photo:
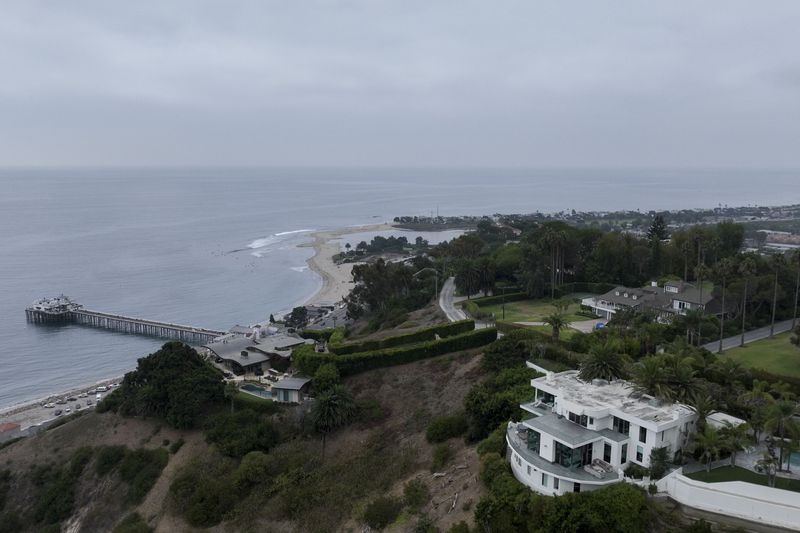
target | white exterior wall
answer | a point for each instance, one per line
(765, 505)
(547, 447)
(520, 468)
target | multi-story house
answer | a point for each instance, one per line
(675, 297)
(583, 435)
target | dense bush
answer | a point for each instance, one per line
(5, 485)
(205, 492)
(498, 299)
(174, 383)
(497, 400)
(416, 494)
(309, 361)
(495, 442)
(241, 432)
(108, 457)
(325, 378)
(442, 454)
(381, 512)
(636, 471)
(337, 337)
(443, 428)
(133, 523)
(140, 469)
(55, 498)
(317, 334)
(421, 335)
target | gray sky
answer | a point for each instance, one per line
(462, 83)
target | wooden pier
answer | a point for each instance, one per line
(63, 310)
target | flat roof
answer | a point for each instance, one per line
(615, 396)
(562, 429)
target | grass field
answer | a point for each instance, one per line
(727, 473)
(532, 311)
(776, 355)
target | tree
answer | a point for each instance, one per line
(725, 269)
(326, 378)
(175, 383)
(796, 261)
(230, 392)
(710, 443)
(703, 406)
(604, 362)
(271, 318)
(298, 318)
(781, 423)
(557, 321)
(331, 410)
(747, 269)
(658, 229)
(757, 400)
(659, 459)
(650, 377)
(735, 438)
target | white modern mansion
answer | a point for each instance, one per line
(583, 435)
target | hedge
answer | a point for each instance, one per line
(498, 299)
(308, 361)
(337, 337)
(421, 335)
(317, 334)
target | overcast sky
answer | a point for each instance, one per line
(461, 83)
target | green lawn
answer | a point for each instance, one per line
(727, 473)
(776, 355)
(532, 311)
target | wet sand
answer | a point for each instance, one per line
(337, 280)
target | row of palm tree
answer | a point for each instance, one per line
(713, 442)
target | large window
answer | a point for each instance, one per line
(555, 483)
(546, 397)
(624, 454)
(642, 434)
(573, 458)
(578, 419)
(607, 452)
(622, 426)
(533, 440)
(639, 454)
(544, 479)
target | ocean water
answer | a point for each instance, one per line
(217, 247)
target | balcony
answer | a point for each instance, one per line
(516, 436)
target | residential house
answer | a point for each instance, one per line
(675, 297)
(581, 436)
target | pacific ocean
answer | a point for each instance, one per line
(217, 247)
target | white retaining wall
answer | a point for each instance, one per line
(748, 501)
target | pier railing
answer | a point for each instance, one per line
(126, 324)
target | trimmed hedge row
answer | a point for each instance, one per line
(421, 335)
(308, 361)
(337, 337)
(498, 299)
(317, 334)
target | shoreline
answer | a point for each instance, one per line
(337, 280)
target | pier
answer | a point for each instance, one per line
(63, 310)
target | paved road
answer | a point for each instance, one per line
(447, 302)
(749, 336)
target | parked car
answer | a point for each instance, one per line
(98, 397)
(57, 412)
(91, 391)
(88, 403)
(61, 401)
(102, 389)
(82, 395)
(71, 399)
(67, 410)
(50, 405)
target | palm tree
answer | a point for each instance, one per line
(230, 391)
(724, 270)
(703, 406)
(649, 377)
(757, 400)
(769, 463)
(711, 443)
(557, 321)
(781, 423)
(682, 380)
(735, 438)
(701, 273)
(604, 362)
(331, 410)
(782, 391)
(727, 371)
(746, 268)
(796, 259)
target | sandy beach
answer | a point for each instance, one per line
(337, 280)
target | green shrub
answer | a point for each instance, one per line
(652, 489)
(55, 498)
(108, 457)
(442, 454)
(495, 442)
(337, 337)
(381, 512)
(10, 523)
(140, 469)
(236, 434)
(416, 494)
(133, 523)
(317, 334)
(500, 298)
(446, 427)
(326, 377)
(308, 362)
(5, 486)
(177, 445)
(461, 527)
(260, 405)
(493, 465)
(636, 471)
(448, 329)
(205, 492)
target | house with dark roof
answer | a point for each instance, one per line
(674, 298)
(244, 354)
